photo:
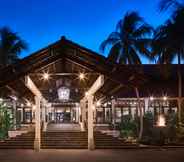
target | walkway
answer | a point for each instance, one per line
(92, 156)
(63, 127)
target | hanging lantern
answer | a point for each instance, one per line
(63, 93)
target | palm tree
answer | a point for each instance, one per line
(130, 40)
(169, 4)
(11, 45)
(168, 44)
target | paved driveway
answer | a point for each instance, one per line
(174, 155)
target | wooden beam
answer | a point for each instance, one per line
(96, 85)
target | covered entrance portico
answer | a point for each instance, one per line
(63, 84)
(66, 87)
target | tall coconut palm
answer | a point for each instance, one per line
(11, 45)
(128, 42)
(168, 44)
(172, 4)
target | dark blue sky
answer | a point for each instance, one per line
(87, 22)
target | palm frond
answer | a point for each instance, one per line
(114, 53)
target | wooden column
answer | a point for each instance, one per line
(37, 124)
(14, 114)
(113, 112)
(146, 104)
(44, 117)
(90, 122)
(83, 114)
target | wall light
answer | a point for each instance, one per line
(98, 103)
(34, 107)
(28, 104)
(165, 98)
(151, 98)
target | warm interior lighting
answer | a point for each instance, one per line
(81, 76)
(161, 121)
(46, 76)
(151, 98)
(164, 98)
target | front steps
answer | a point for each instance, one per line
(24, 141)
(64, 140)
(104, 141)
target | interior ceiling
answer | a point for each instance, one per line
(68, 72)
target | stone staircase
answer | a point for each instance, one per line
(64, 140)
(23, 141)
(104, 141)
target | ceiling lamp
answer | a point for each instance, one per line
(81, 76)
(46, 76)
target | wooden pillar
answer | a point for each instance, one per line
(146, 104)
(83, 114)
(44, 117)
(91, 145)
(113, 112)
(179, 110)
(37, 124)
(14, 114)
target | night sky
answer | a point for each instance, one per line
(87, 22)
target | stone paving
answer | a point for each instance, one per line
(134, 155)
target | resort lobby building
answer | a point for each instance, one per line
(65, 87)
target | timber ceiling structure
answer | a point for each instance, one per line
(64, 60)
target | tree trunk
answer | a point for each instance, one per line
(179, 89)
(141, 113)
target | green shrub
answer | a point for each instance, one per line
(128, 127)
(5, 121)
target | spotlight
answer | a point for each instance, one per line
(81, 76)
(46, 76)
(86, 93)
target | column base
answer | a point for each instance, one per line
(44, 127)
(37, 144)
(91, 145)
(82, 126)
